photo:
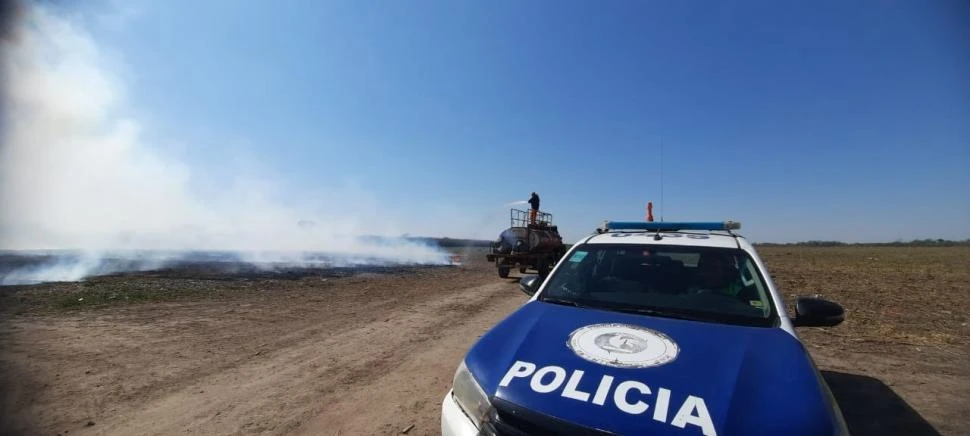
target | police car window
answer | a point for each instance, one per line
(749, 278)
(689, 259)
(720, 285)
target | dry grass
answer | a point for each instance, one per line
(914, 295)
(898, 364)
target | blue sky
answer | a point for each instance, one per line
(822, 120)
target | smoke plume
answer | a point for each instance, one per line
(76, 173)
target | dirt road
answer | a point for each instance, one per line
(360, 355)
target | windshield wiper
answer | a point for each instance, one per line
(659, 312)
(713, 317)
(656, 312)
(562, 301)
(625, 309)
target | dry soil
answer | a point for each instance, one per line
(373, 353)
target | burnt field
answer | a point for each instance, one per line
(212, 348)
(185, 281)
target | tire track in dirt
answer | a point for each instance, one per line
(412, 393)
(60, 371)
(104, 379)
(287, 387)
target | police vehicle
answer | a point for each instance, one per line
(649, 328)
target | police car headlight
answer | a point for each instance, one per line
(470, 396)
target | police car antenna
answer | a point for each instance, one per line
(661, 178)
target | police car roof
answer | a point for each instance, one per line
(697, 234)
(685, 238)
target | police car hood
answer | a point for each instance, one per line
(634, 374)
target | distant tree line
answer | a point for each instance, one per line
(913, 243)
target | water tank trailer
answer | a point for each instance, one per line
(527, 245)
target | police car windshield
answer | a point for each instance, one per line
(701, 283)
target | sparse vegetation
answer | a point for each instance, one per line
(913, 243)
(897, 364)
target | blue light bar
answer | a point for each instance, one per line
(670, 226)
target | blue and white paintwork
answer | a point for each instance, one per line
(714, 379)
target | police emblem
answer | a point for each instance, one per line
(623, 346)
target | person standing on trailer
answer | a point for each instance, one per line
(534, 201)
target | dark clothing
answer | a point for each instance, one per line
(534, 201)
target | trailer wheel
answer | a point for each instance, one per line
(503, 271)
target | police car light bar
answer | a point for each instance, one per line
(670, 226)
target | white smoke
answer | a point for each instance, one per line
(57, 266)
(77, 173)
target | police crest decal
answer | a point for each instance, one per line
(623, 345)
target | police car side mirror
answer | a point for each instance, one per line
(529, 284)
(817, 312)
